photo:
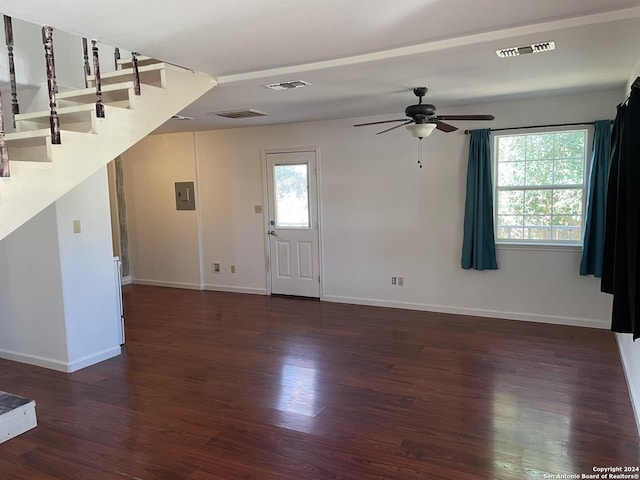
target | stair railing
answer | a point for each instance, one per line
(54, 120)
(52, 84)
(4, 154)
(8, 35)
(87, 66)
(97, 79)
(136, 73)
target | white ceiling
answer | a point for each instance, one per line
(362, 57)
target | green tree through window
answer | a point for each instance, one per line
(540, 187)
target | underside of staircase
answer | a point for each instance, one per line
(41, 171)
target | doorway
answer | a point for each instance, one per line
(292, 222)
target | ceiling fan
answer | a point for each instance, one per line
(422, 118)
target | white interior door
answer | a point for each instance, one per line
(293, 223)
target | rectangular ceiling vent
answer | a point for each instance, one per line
(525, 49)
(247, 113)
(287, 85)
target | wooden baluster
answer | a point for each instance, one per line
(136, 73)
(8, 33)
(4, 154)
(96, 73)
(116, 57)
(54, 121)
(87, 66)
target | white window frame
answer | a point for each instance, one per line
(532, 243)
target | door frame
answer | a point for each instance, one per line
(265, 211)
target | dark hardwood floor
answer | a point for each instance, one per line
(227, 386)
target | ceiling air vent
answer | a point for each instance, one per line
(287, 85)
(247, 113)
(525, 49)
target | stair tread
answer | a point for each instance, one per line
(129, 71)
(107, 89)
(34, 138)
(62, 111)
(141, 58)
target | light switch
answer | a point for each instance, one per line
(257, 208)
(77, 227)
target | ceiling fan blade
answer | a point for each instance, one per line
(397, 126)
(383, 121)
(444, 127)
(465, 117)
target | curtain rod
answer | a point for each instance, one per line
(467, 132)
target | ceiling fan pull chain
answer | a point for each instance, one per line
(419, 152)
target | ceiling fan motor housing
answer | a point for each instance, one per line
(422, 110)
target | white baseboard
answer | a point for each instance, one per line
(529, 317)
(236, 289)
(160, 283)
(60, 365)
(634, 390)
(93, 359)
(125, 280)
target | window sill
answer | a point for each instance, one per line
(540, 247)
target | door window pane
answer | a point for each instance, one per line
(291, 183)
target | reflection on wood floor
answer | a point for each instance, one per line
(229, 386)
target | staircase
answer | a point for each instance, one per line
(42, 172)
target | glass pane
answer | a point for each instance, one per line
(510, 220)
(291, 195)
(510, 202)
(539, 233)
(567, 202)
(569, 172)
(540, 172)
(570, 144)
(537, 202)
(540, 147)
(511, 149)
(511, 174)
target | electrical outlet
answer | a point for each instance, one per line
(393, 280)
(215, 268)
(233, 268)
(401, 281)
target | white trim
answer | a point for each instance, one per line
(126, 280)
(236, 289)
(198, 212)
(439, 45)
(93, 359)
(633, 389)
(58, 365)
(521, 316)
(539, 247)
(160, 283)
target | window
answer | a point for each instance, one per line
(291, 195)
(540, 187)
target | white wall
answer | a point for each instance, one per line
(630, 350)
(58, 305)
(164, 247)
(87, 272)
(381, 216)
(32, 326)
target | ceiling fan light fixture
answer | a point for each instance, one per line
(421, 130)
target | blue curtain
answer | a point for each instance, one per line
(593, 246)
(478, 245)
